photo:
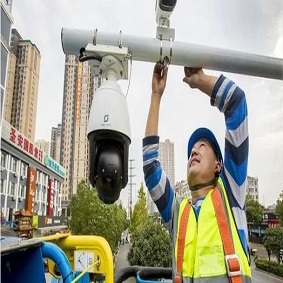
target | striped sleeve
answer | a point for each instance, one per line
(231, 101)
(156, 180)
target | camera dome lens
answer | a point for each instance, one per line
(109, 173)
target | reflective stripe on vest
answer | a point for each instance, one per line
(204, 256)
(181, 242)
(233, 265)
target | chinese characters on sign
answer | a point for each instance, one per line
(56, 167)
(31, 183)
(24, 144)
(50, 197)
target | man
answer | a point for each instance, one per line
(209, 235)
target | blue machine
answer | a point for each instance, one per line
(22, 260)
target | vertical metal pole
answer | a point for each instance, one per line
(130, 198)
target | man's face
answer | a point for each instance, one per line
(202, 164)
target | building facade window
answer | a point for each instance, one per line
(44, 199)
(22, 191)
(36, 196)
(38, 177)
(3, 160)
(12, 190)
(24, 169)
(13, 164)
(2, 186)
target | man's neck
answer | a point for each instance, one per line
(201, 193)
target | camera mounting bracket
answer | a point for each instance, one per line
(106, 59)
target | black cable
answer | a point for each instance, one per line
(83, 57)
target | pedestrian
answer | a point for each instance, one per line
(209, 233)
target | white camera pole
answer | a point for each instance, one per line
(180, 53)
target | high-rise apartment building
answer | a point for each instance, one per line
(20, 104)
(252, 187)
(77, 98)
(55, 143)
(182, 189)
(167, 159)
(44, 146)
(6, 22)
(11, 69)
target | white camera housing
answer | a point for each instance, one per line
(109, 134)
(163, 11)
(109, 110)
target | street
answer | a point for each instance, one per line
(122, 261)
(263, 277)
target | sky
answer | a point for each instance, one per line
(254, 26)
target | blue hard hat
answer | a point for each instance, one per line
(204, 133)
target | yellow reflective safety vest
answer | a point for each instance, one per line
(204, 258)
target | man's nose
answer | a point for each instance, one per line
(194, 151)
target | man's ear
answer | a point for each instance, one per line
(218, 167)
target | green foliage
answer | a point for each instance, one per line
(273, 241)
(90, 216)
(140, 213)
(270, 266)
(150, 243)
(254, 211)
(151, 246)
(279, 211)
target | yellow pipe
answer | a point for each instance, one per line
(95, 243)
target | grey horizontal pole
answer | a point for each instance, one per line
(183, 54)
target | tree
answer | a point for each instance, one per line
(279, 210)
(89, 216)
(140, 213)
(254, 211)
(273, 241)
(151, 246)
